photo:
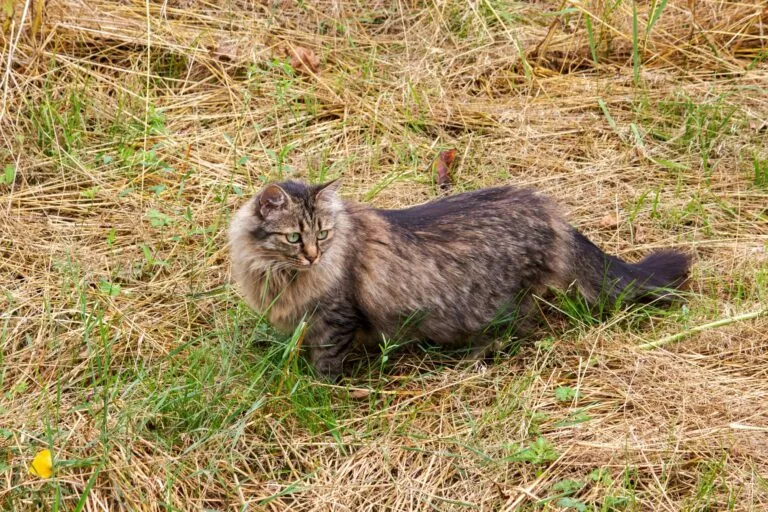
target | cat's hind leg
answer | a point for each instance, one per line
(517, 323)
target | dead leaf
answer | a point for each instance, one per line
(758, 253)
(758, 126)
(304, 60)
(639, 235)
(611, 220)
(226, 50)
(444, 166)
(503, 495)
(359, 393)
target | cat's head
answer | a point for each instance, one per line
(289, 225)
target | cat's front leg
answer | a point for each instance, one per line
(330, 339)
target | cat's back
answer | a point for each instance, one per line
(467, 212)
(469, 252)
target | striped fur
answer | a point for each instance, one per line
(456, 265)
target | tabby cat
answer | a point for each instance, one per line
(449, 268)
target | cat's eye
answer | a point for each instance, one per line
(322, 234)
(293, 237)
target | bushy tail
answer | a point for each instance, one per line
(656, 276)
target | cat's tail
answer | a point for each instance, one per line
(599, 275)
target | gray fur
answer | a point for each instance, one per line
(455, 265)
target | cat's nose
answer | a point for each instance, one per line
(311, 253)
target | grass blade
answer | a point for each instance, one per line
(591, 37)
(607, 115)
(635, 47)
(87, 489)
(656, 9)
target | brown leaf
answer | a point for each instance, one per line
(639, 235)
(758, 253)
(444, 166)
(758, 126)
(226, 50)
(611, 220)
(304, 60)
(359, 393)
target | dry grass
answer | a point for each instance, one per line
(132, 130)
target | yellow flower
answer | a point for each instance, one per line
(42, 464)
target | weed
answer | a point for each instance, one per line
(539, 451)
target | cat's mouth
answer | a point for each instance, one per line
(305, 264)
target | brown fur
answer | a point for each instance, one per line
(448, 269)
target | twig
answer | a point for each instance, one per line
(712, 325)
(752, 428)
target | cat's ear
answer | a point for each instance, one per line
(327, 191)
(271, 199)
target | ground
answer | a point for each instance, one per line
(131, 131)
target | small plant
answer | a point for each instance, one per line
(159, 219)
(278, 159)
(563, 491)
(150, 259)
(565, 393)
(8, 175)
(535, 420)
(387, 346)
(574, 418)
(111, 237)
(545, 344)
(109, 288)
(89, 193)
(572, 503)
(157, 189)
(567, 486)
(540, 451)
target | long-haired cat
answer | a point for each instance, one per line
(449, 268)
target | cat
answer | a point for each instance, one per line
(448, 269)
